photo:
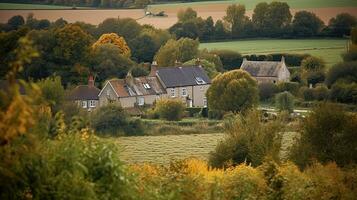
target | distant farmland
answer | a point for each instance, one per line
(328, 49)
(325, 9)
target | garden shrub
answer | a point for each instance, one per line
(292, 87)
(170, 109)
(193, 111)
(284, 101)
(215, 114)
(204, 112)
(307, 93)
(267, 91)
(344, 92)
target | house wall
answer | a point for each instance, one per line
(199, 94)
(127, 102)
(267, 79)
(103, 98)
(178, 93)
(284, 74)
(79, 103)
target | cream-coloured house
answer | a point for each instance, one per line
(267, 71)
(131, 92)
(190, 83)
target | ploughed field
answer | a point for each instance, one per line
(325, 9)
(328, 49)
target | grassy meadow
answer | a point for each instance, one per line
(328, 49)
(162, 149)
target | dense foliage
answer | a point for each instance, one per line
(170, 109)
(222, 94)
(113, 120)
(248, 140)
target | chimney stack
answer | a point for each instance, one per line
(244, 59)
(91, 81)
(153, 68)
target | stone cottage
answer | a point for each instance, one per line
(267, 71)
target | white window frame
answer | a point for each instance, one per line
(141, 101)
(204, 102)
(108, 92)
(92, 103)
(172, 92)
(84, 104)
(184, 92)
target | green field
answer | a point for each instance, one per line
(250, 4)
(328, 49)
(19, 6)
(162, 149)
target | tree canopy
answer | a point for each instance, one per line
(233, 91)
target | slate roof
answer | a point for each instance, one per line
(262, 68)
(182, 76)
(125, 89)
(85, 92)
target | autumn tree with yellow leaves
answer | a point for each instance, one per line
(113, 38)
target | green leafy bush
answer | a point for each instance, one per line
(327, 136)
(193, 111)
(248, 140)
(292, 87)
(285, 101)
(344, 92)
(267, 91)
(170, 109)
(113, 120)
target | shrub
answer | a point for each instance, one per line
(113, 120)
(292, 87)
(307, 93)
(204, 112)
(321, 92)
(215, 114)
(248, 140)
(344, 92)
(346, 72)
(285, 101)
(327, 135)
(193, 111)
(312, 63)
(170, 109)
(267, 90)
(315, 77)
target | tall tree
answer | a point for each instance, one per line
(306, 24)
(186, 15)
(112, 38)
(15, 22)
(341, 24)
(143, 49)
(259, 15)
(235, 16)
(72, 44)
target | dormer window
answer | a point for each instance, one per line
(199, 81)
(146, 86)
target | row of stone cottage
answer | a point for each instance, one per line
(188, 83)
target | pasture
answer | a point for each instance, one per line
(328, 49)
(162, 149)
